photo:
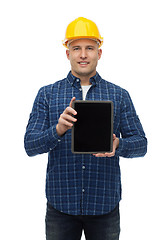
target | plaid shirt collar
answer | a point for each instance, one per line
(93, 80)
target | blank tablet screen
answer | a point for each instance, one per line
(93, 130)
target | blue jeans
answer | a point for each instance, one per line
(60, 226)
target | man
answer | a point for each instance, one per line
(83, 191)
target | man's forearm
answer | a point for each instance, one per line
(135, 146)
(36, 142)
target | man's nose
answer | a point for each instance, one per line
(83, 53)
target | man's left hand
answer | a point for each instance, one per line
(111, 154)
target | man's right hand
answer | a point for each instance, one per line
(66, 119)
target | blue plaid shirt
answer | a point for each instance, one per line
(79, 184)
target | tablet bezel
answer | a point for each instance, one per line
(111, 137)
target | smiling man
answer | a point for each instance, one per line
(84, 55)
(83, 191)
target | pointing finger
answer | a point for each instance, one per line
(72, 100)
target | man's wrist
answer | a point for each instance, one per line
(117, 143)
(58, 131)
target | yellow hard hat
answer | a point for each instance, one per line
(82, 28)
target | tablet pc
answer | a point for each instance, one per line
(93, 130)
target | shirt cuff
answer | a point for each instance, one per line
(119, 150)
(53, 138)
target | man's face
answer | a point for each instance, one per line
(83, 55)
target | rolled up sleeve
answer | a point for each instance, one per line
(133, 142)
(40, 137)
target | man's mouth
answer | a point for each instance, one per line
(83, 63)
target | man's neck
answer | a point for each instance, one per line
(84, 79)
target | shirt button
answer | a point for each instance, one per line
(80, 89)
(83, 167)
(77, 80)
(59, 140)
(83, 190)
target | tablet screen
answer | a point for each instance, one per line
(93, 130)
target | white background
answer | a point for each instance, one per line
(134, 57)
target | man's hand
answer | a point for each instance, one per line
(66, 120)
(111, 154)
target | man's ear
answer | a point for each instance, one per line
(99, 53)
(68, 53)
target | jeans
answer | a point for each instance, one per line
(60, 226)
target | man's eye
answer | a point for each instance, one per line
(76, 48)
(90, 48)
